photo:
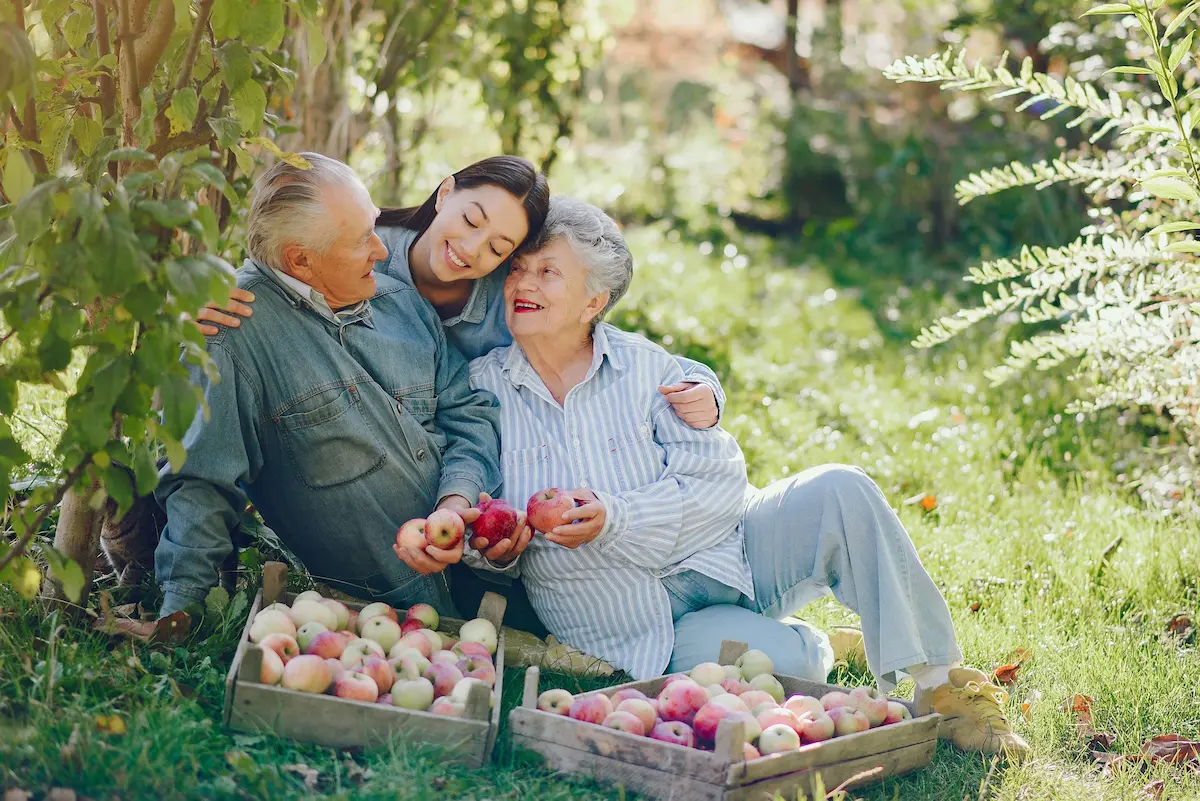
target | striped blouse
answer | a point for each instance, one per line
(673, 495)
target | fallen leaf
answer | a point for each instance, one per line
(1153, 791)
(1181, 626)
(929, 503)
(1006, 674)
(356, 772)
(310, 775)
(169, 630)
(1031, 699)
(1172, 748)
(975, 607)
(1080, 704)
(111, 724)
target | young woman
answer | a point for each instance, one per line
(455, 249)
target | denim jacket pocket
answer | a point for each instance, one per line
(331, 444)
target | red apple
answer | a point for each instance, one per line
(284, 646)
(307, 673)
(680, 700)
(469, 648)
(444, 706)
(424, 613)
(412, 534)
(497, 521)
(435, 639)
(356, 687)
(749, 752)
(873, 705)
(753, 698)
(706, 721)
(834, 699)
(384, 700)
(816, 729)
(444, 658)
(416, 641)
(336, 669)
(411, 625)
(626, 722)
(380, 671)
(444, 677)
(272, 667)
(642, 708)
(778, 738)
(674, 677)
(593, 708)
(478, 667)
(306, 633)
(357, 652)
(779, 715)
(444, 528)
(736, 686)
(674, 731)
(848, 720)
(804, 705)
(627, 693)
(546, 508)
(448, 642)
(897, 712)
(730, 702)
(556, 701)
(351, 622)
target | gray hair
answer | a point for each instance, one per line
(596, 241)
(289, 209)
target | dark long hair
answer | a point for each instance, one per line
(512, 173)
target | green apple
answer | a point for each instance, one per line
(770, 685)
(305, 633)
(754, 663)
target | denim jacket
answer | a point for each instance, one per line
(337, 432)
(481, 326)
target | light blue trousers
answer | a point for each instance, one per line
(828, 529)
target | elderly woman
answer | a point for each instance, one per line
(671, 550)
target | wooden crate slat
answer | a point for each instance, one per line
(591, 739)
(236, 664)
(866, 743)
(894, 763)
(659, 784)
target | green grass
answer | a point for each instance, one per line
(816, 371)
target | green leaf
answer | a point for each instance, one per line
(23, 576)
(1131, 71)
(1180, 18)
(119, 487)
(217, 600)
(1172, 227)
(262, 24)
(18, 178)
(87, 134)
(1110, 8)
(228, 131)
(294, 159)
(76, 28)
(316, 44)
(1179, 51)
(1186, 246)
(235, 63)
(225, 17)
(182, 111)
(179, 402)
(1170, 189)
(250, 103)
(176, 454)
(66, 571)
(145, 470)
(130, 154)
(1151, 127)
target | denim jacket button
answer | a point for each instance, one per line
(420, 453)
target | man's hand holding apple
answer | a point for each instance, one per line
(432, 560)
(588, 521)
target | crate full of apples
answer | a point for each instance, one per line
(728, 730)
(343, 674)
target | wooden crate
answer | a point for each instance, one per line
(341, 723)
(672, 772)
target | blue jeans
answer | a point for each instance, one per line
(828, 529)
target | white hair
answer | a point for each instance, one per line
(596, 241)
(289, 208)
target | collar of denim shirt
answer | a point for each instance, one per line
(399, 241)
(300, 293)
(518, 370)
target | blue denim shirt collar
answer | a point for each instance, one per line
(359, 313)
(399, 245)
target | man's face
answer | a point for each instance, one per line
(345, 273)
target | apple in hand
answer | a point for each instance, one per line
(897, 712)
(593, 708)
(754, 663)
(327, 645)
(285, 647)
(413, 694)
(545, 509)
(306, 633)
(272, 667)
(497, 521)
(357, 652)
(444, 528)
(480, 630)
(356, 687)
(412, 534)
(556, 701)
(425, 614)
(382, 630)
(271, 621)
(680, 700)
(626, 722)
(673, 731)
(777, 738)
(307, 673)
(641, 708)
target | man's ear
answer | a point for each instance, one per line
(446, 187)
(594, 306)
(296, 262)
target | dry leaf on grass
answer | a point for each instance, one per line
(1007, 674)
(1027, 707)
(310, 775)
(1153, 791)
(111, 724)
(1181, 626)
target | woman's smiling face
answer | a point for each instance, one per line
(546, 294)
(474, 231)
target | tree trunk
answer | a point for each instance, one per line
(791, 58)
(78, 538)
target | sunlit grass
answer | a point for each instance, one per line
(1026, 509)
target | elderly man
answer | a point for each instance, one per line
(672, 551)
(340, 411)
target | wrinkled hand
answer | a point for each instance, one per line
(694, 404)
(589, 521)
(238, 298)
(434, 560)
(506, 549)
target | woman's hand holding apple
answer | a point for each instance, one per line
(506, 549)
(588, 521)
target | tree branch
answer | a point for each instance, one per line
(151, 44)
(108, 90)
(131, 102)
(193, 49)
(19, 548)
(28, 129)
